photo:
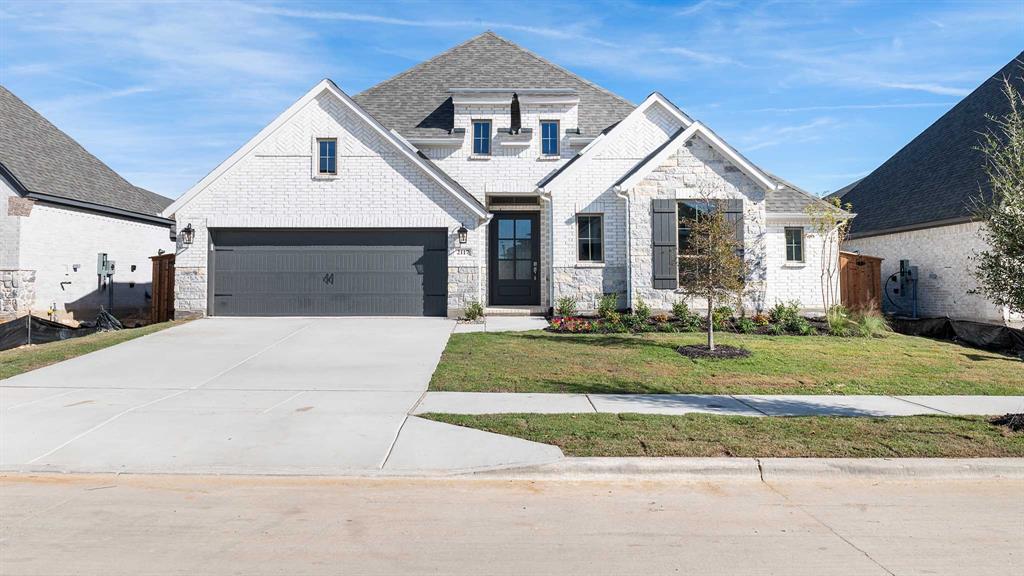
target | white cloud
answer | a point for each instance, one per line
(926, 87)
(769, 136)
(696, 56)
(828, 107)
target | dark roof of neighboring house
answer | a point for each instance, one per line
(417, 102)
(45, 160)
(939, 173)
(842, 191)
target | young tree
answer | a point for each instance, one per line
(1000, 269)
(831, 222)
(710, 265)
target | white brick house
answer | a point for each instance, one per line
(917, 206)
(60, 207)
(484, 174)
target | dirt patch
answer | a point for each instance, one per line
(1014, 422)
(721, 351)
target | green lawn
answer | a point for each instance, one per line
(648, 363)
(20, 360)
(752, 437)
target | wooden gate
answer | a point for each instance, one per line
(860, 281)
(162, 308)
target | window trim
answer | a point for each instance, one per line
(785, 238)
(600, 217)
(317, 156)
(490, 137)
(558, 139)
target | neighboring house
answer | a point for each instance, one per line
(483, 174)
(60, 207)
(917, 206)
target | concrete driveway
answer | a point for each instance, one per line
(249, 395)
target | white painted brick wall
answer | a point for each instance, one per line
(943, 257)
(274, 186)
(790, 281)
(54, 239)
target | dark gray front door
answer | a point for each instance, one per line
(328, 272)
(515, 258)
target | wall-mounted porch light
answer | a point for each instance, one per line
(187, 235)
(463, 235)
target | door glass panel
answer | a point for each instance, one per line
(523, 248)
(524, 228)
(506, 249)
(524, 270)
(506, 228)
(506, 270)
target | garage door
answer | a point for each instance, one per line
(328, 272)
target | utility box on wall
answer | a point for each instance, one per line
(104, 267)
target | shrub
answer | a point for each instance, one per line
(660, 318)
(474, 310)
(746, 325)
(839, 322)
(642, 310)
(690, 323)
(614, 324)
(566, 306)
(761, 319)
(571, 324)
(871, 324)
(635, 323)
(720, 316)
(680, 310)
(665, 327)
(608, 305)
(801, 326)
(785, 314)
(776, 329)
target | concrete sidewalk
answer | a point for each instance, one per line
(738, 405)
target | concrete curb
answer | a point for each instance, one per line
(766, 469)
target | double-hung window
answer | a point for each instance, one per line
(549, 138)
(482, 137)
(327, 156)
(590, 238)
(794, 244)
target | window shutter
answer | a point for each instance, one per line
(663, 235)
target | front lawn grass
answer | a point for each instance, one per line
(753, 437)
(649, 363)
(19, 360)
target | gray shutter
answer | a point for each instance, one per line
(664, 234)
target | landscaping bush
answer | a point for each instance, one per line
(761, 319)
(660, 318)
(635, 323)
(608, 305)
(680, 310)
(571, 324)
(746, 325)
(687, 321)
(871, 324)
(566, 306)
(641, 310)
(839, 321)
(474, 310)
(721, 316)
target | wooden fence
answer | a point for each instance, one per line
(860, 281)
(162, 308)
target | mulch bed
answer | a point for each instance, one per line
(720, 351)
(1014, 422)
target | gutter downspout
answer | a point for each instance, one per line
(481, 256)
(545, 195)
(629, 248)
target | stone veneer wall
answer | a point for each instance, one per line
(943, 257)
(17, 292)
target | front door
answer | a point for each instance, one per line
(515, 258)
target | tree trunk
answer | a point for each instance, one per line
(711, 327)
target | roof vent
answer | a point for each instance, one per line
(516, 123)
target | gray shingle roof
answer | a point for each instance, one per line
(937, 175)
(791, 199)
(417, 102)
(45, 160)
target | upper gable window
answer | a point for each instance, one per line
(327, 154)
(482, 137)
(549, 138)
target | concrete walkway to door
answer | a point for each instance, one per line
(253, 396)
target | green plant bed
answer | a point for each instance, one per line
(752, 437)
(648, 363)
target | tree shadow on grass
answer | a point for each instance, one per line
(600, 340)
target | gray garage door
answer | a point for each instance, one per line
(328, 272)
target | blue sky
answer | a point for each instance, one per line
(819, 93)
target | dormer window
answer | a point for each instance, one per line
(549, 138)
(327, 156)
(482, 137)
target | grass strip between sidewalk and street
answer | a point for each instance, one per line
(26, 358)
(754, 437)
(649, 364)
